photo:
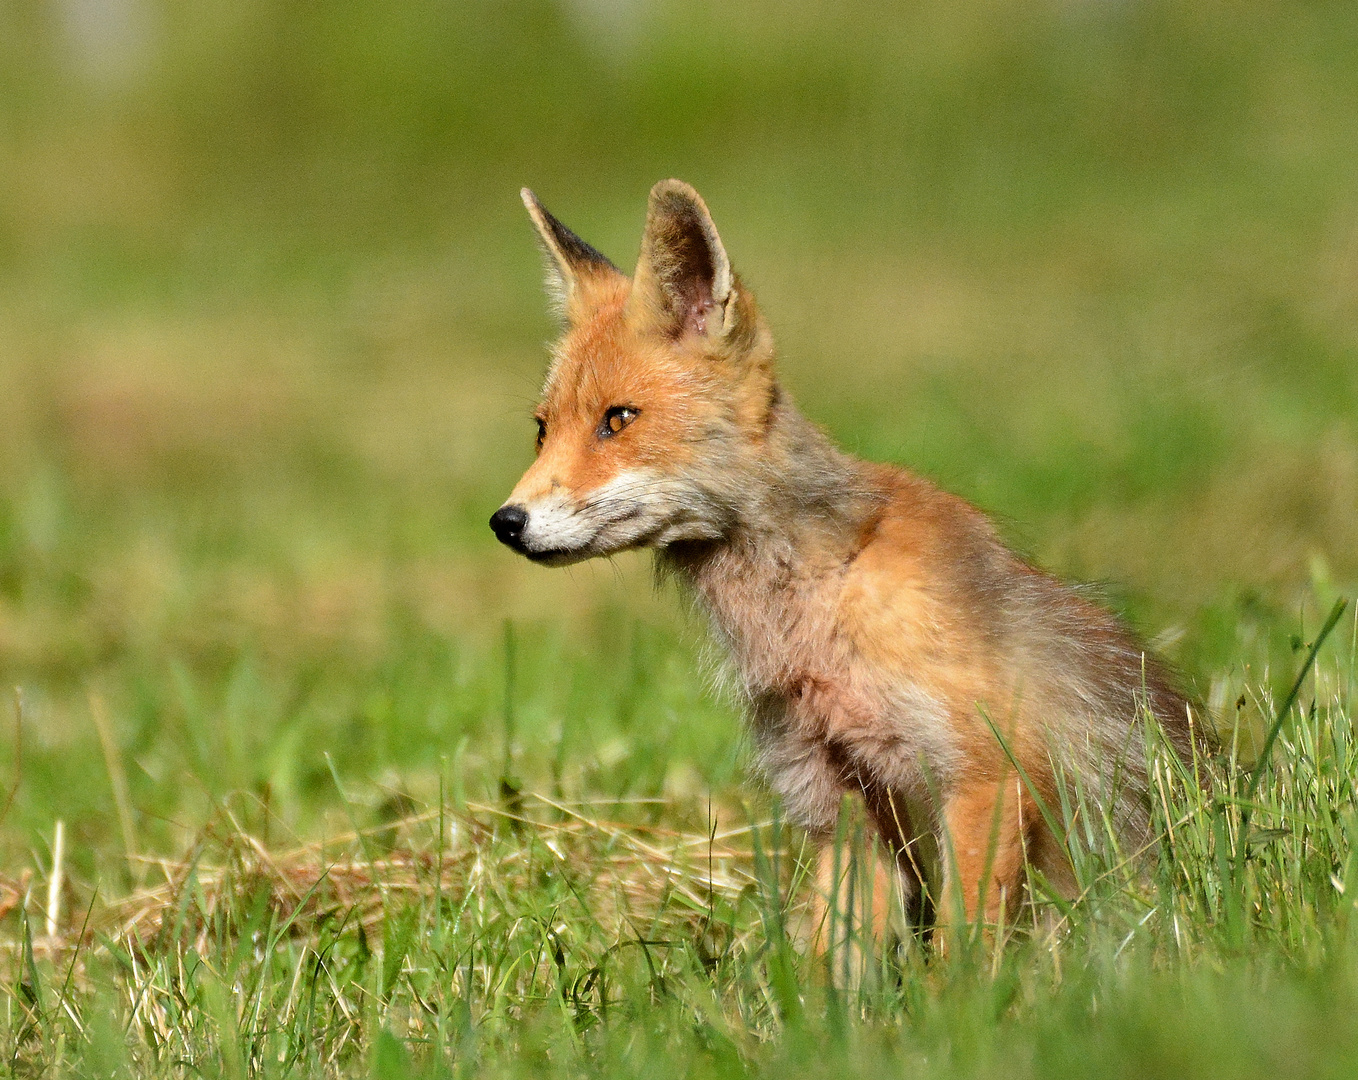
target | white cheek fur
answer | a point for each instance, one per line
(638, 507)
(556, 524)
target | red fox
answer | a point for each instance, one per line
(885, 641)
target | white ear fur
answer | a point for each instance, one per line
(683, 265)
(567, 256)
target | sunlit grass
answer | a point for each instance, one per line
(346, 788)
(449, 935)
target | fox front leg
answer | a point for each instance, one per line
(869, 892)
(985, 831)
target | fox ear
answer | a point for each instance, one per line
(684, 273)
(569, 259)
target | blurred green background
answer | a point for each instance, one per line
(271, 326)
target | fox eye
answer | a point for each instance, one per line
(617, 418)
(542, 431)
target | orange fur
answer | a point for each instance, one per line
(880, 634)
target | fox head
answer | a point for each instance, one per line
(658, 398)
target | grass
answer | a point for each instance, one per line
(549, 934)
(344, 789)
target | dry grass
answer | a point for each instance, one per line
(630, 871)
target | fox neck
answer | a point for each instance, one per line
(804, 510)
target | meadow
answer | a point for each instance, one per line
(343, 788)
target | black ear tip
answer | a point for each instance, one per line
(676, 199)
(674, 187)
(563, 245)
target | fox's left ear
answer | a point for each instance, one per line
(570, 261)
(684, 276)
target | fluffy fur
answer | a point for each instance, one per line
(880, 630)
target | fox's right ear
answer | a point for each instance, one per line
(569, 259)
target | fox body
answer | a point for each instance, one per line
(885, 642)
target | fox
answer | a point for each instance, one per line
(888, 649)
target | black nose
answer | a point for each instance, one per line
(507, 523)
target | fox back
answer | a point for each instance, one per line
(884, 641)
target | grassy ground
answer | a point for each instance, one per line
(344, 788)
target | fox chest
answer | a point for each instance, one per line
(781, 638)
(824, 718)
